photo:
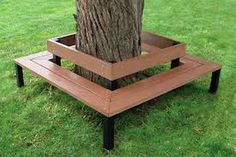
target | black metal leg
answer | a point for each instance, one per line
(108, 133)
(215, 81)
(112, 85)
(56, 60)
(19, 76)
(175, 63)
(108, 122)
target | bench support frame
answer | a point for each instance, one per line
(108, 132)
(56, 59)
(109, 122)
(215, 81)
(175, 63)
(19, 76)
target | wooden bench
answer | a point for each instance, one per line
(111, 101)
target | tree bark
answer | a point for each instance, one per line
(109, 30)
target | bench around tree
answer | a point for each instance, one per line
(111, 101)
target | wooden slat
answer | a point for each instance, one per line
(147, 38)
(68, 40)
(86, 61)
(157, 40)
(146, 83)
(149, 48)
(202, 61)
(76, 79)
(145, 90)
(110, 103)
(158, 54)
(78, 92)
(32, 56)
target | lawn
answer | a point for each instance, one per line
(39, 120)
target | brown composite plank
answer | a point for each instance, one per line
(121, 69)
(203, 61)
(76, 91)
(109, 102)
(145, 90)
(86, 61)
(80, 81)
(157, 40)
(68, 40)
(149, 48)
(156, 56)
(146, 83)
(32, 56)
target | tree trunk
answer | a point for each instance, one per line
(109, 30)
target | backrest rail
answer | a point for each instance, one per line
(62, 47)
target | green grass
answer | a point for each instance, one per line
(39, 120)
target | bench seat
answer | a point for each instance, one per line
(110, 103)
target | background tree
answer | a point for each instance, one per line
(109, 30)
